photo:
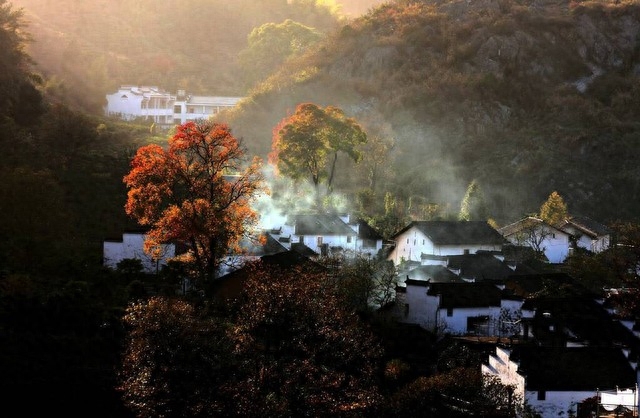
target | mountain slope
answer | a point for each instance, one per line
(527, 98)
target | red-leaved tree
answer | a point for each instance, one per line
(198, 192)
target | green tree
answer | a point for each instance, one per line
(554, 210)
(473, 206)
(271, 44)
(366, 283)
(307, 143)
(198, 192)
(19, 98)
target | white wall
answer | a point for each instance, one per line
(128, 107)
(412, 243)
(456, 324)
(556, 403)
(421, 307)
(500, 366)
(132, 247)
(556, 247)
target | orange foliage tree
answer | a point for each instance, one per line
(198, 192)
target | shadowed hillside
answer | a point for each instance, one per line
(526, 97)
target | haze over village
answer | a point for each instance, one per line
(346, 208)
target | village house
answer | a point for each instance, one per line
(163, 108)
(455, 308)
(543, 238)
(441, 238)
(328, 234)
(554, 381)
(587, 233)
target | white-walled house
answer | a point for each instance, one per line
(460, 308)
(552, 381)
(327, 234)
(441, 238)
(587, 233)
(537, 234)
(163, 108)
(131, 246)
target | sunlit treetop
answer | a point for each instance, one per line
(198, 192)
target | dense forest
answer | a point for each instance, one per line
(517, 98)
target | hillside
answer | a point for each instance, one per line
(86, 49)
(526, 97)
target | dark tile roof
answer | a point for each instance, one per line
(366, 231)
(303, 249)
(255, 247)
(466, 295)
(531, 285)
(479, 267)
(321, 225)
(586, 225)
(435, 273)
(528, 223)
(581, 319)
(457, 232)
(573, 368)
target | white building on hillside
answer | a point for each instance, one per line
(163, 108)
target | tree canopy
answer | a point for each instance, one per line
(271, 44)
(307, 143)
(473, 206)
(19, 98)
(287, 348)
(554, 210)
(198, 192)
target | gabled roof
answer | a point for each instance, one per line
(457, 232)
(586, 225)
(434, 273)
(365, 231)
(466, 295)
(303, 250)
(530, 285)
(524, 224)
(479, 267)
(321, 225)
(564, 368)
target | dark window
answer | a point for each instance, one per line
(177, 109)
(301, 239)
(542, 395)
(349, 238)
(466, 251)
(319, 241)
(449, 311)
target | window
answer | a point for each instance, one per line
(542, 395)
(407, 240)
(449, 311)
(553, 235)
(423, 242)
(177, 109)
(466, 251)
(319, 241)
(301, 239)
(349, 239)
(414, 242)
